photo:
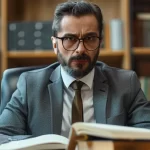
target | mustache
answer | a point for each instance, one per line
(80, 57)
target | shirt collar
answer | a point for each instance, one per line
(88, 79)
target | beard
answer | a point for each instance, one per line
(78, 72)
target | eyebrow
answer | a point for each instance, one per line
(91, 34)
(87, 34)
(69, 34)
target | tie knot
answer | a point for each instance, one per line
(77, 85)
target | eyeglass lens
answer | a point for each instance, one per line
(72, 43)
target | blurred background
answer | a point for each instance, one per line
(25, 31)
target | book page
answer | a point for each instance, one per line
(111, 131)
(47, 140)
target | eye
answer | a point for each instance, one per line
(90, 38)
(70, 38)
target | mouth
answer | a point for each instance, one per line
(82, 60)
(79, 61)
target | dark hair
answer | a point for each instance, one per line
(78, 8)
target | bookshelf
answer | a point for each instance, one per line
(140, 22)
(42, 10)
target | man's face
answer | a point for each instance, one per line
(79, 62)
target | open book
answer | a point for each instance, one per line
(80, 132)
(107, 136)
(48, 141)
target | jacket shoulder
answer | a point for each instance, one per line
(114, 73)
(42, 73)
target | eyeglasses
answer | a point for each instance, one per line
(71, 43)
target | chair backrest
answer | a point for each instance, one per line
(9, 83)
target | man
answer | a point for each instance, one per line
(42, 103)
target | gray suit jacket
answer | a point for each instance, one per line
(36, 106)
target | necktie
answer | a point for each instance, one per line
(77, 106)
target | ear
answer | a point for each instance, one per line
(54, 44)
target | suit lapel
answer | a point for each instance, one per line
(100, 93)
(56, 100)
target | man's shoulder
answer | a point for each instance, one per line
(45, 68)
(44, 71)
(106, 68)
(113, 72)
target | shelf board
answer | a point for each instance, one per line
(141, 51)
(141, 54)
(50, 53)
(22, 58)
(142, 60)
(109, 52)
(30, 54)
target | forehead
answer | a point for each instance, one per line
(79, 25)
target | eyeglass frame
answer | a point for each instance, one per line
(79, 39)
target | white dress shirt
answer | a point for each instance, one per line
(69, 93)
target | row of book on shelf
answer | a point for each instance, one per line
(141, 30)
(145, 85)
(141, 22)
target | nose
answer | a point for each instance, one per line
(81, 49)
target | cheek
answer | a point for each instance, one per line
(92, 54)
(65, 54)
